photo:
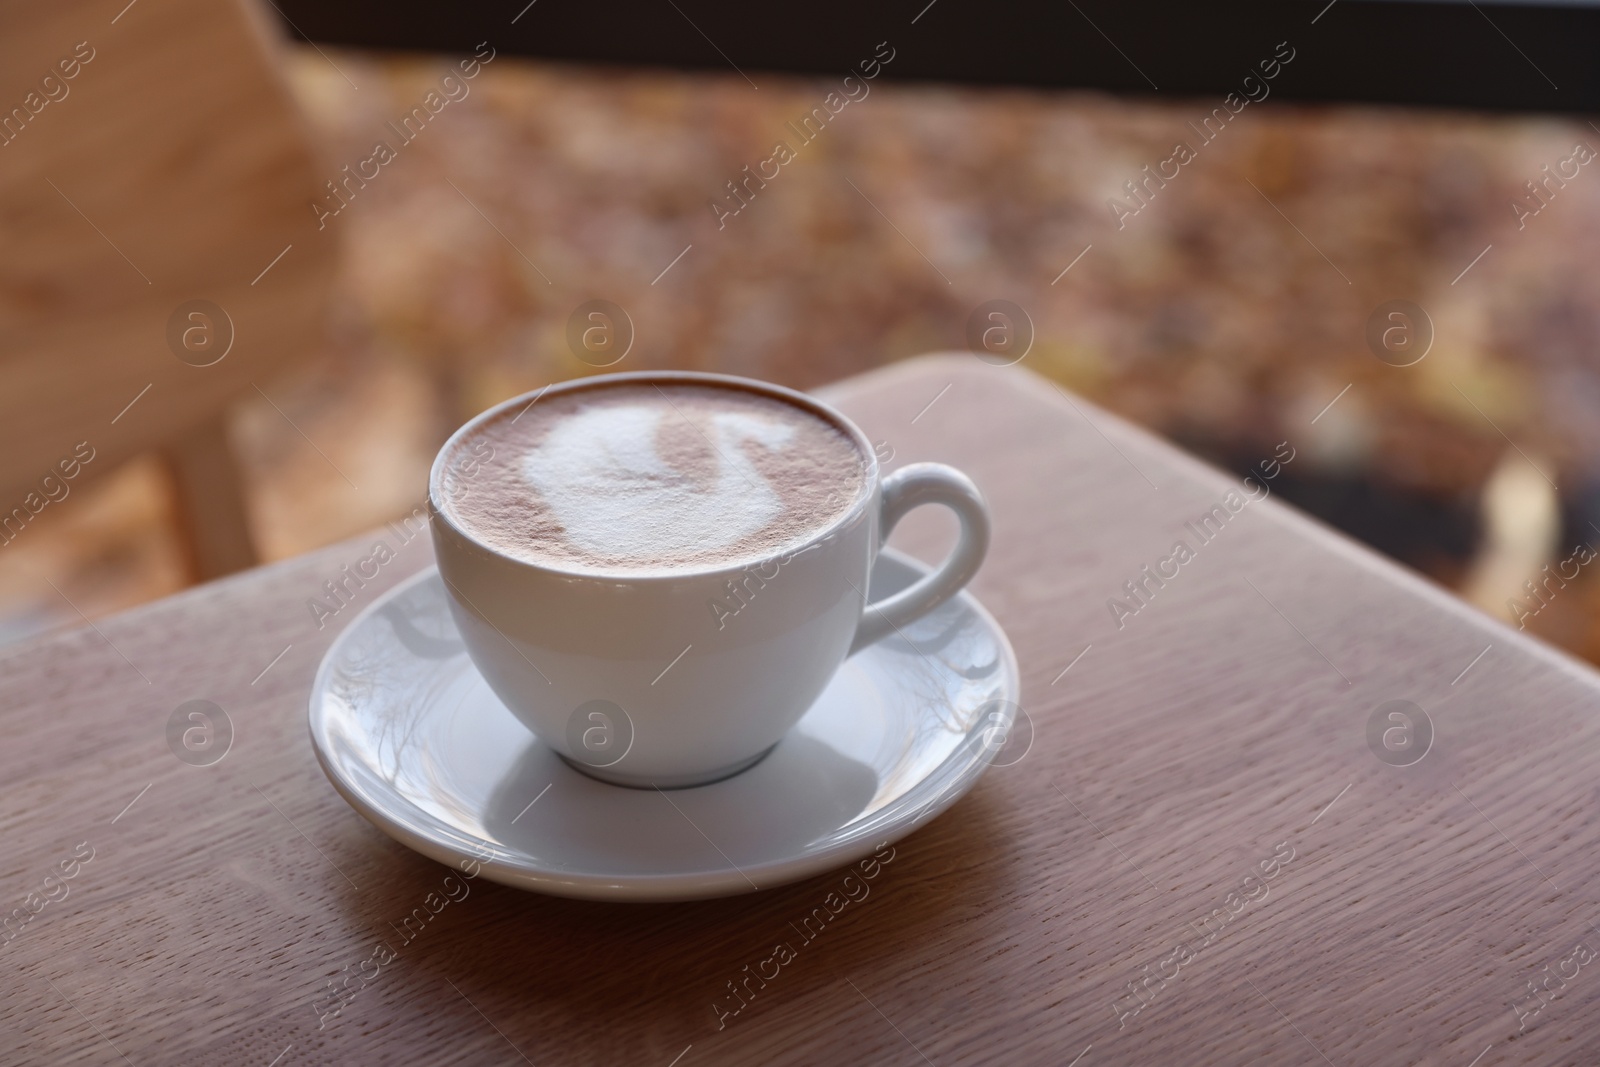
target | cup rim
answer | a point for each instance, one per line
(827, 412)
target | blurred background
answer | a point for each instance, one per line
(1232, 311)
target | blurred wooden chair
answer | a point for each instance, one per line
(150, 158)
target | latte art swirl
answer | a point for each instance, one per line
(603, 478)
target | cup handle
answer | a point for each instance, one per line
(910, 487)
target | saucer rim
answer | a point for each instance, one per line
(515, 870)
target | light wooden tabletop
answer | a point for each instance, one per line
(1202, 858)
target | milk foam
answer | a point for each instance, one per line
(605, 480)
(639, 476)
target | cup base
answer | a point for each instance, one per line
(681, 781)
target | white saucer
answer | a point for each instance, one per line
(415, 740)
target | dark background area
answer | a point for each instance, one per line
(1439, 53)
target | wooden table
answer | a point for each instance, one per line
(1200, 860)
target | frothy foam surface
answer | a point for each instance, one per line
(643, 477)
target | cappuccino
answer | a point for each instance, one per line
(635, 477)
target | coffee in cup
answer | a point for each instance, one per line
(637, 478)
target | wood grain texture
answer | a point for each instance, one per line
(1221, 726)
(171, 166)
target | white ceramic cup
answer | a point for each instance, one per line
(641, 679)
